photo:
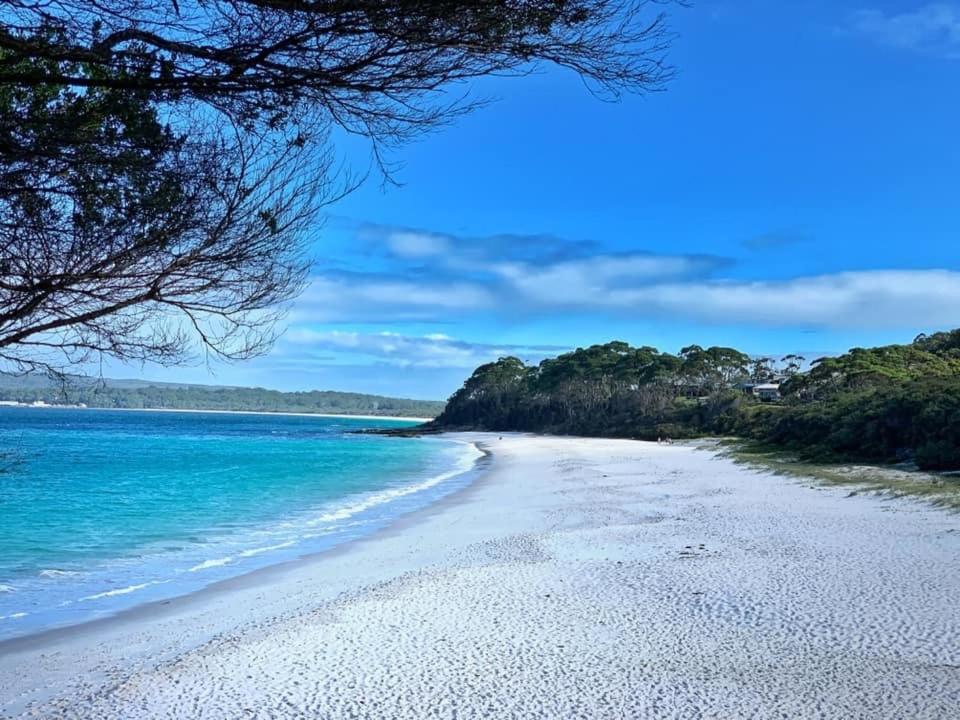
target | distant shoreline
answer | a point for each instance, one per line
(228, 412)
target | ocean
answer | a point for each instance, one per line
(102, 510)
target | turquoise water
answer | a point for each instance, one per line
(102, 510)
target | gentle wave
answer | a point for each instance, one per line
(207, 564)
(386, 496)
(268, 548)
(343, 513)
(180, 568)
(123, 591)
(58, 573)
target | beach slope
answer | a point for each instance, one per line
(577, 578)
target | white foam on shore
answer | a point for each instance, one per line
(54, 573)
(215, 562)
(122, 591)
(339, 514)
(239, 551)
(465, 462)
(268, 548)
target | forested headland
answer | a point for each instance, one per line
(171, 396)
(882, 404)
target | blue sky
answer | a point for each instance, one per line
(794, 190)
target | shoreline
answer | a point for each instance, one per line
(227, 412)
(450, 484)
(258, 578)
(595, 578)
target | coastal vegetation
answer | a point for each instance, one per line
(891, 481)
(131, 394)
(883, 404)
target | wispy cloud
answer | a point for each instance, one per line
(412, 244)
(573, 281)
(437, 278)
(868, 299)
(426, 276)
(433, 350)
(932, 28)
(377, 297)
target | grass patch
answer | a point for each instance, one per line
(902, 480)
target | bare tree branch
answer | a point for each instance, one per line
(161, 161)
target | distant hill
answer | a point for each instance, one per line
(10, 381)
(120, 393)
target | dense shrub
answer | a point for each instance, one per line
(898, 402)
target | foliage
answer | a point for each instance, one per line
(611, 389)
(378, 68)
(918, 419)
(120, 235)
(945, 344)
(899, 402)
(862, 368)
(131, 394)
(161, 160)
(936, 488)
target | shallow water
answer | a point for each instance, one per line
(102, 510)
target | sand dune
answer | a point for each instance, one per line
(576, 579)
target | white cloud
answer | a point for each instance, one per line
(362, 298)
(451, 279)
(404, 243)
(640, 286)
(933, 28)
(575, 280)
(878, 298)
(415, 244)
(505, 286)
(868, 299)
(411, 351)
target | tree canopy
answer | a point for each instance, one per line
(604, 389)
(162, 162)
(106, 393)
(377, 67)
(897, 402)
(862, 368)
(120, 235)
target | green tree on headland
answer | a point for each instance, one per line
(883, 404)
(140, 394)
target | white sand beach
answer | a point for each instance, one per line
(576, 578)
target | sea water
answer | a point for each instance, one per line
(101, 510)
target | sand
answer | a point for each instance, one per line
(576, 579)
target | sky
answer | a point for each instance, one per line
(794, 190)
